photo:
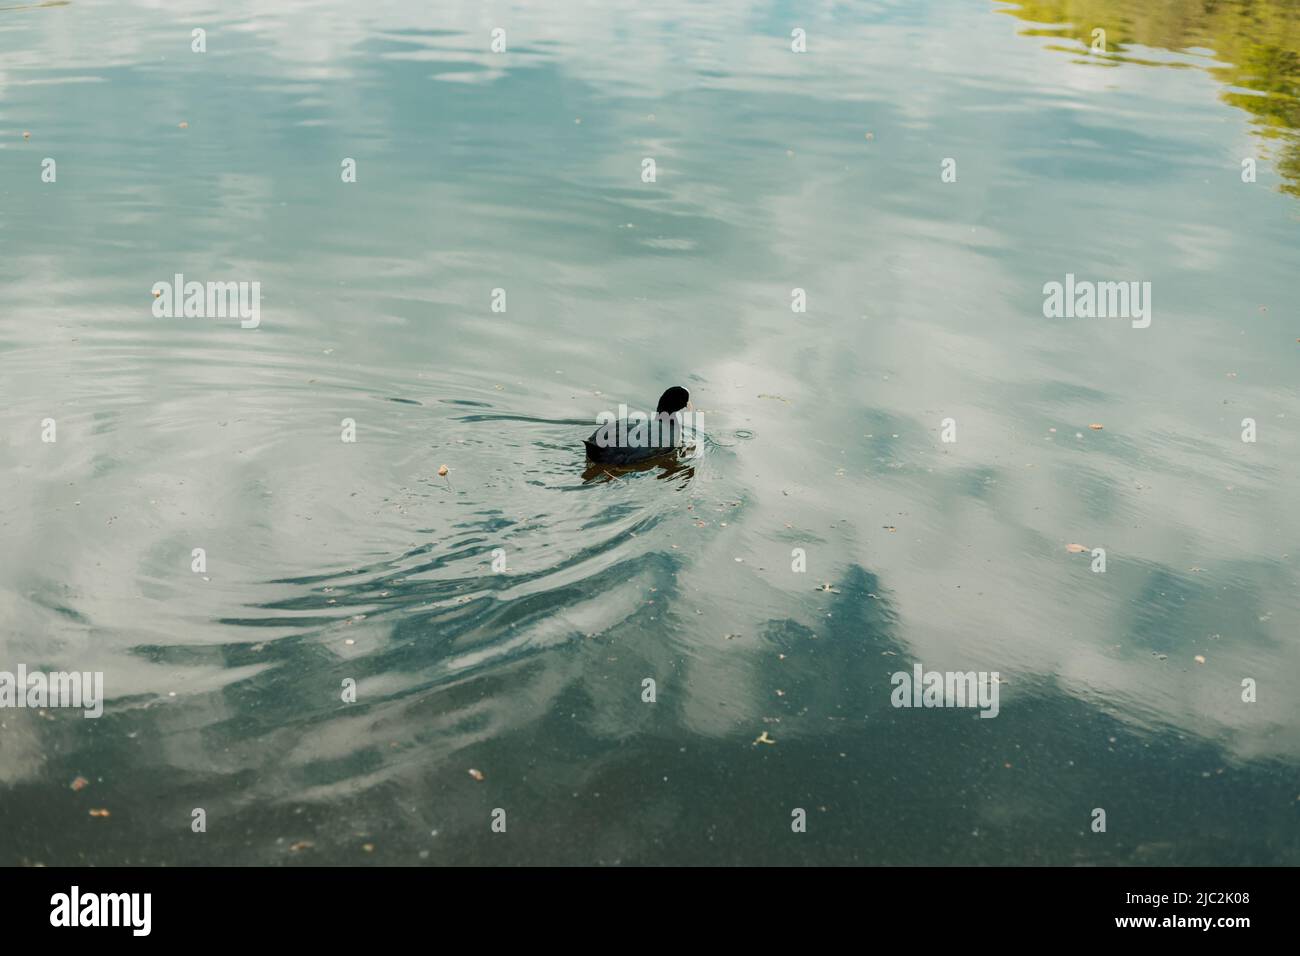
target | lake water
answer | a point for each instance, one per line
(326, 561)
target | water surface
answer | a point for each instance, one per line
(330, 561)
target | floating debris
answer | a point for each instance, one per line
(763, 738)
(442, 471)
(27, 135)
(1095, 427)
(301, 845)
(80, 783)
(477, 774)
(100, 813)
(827, 589)
(183, 125)
(1199, 658)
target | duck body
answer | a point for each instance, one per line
(600, 450)
(637, 439)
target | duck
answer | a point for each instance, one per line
(635, 440)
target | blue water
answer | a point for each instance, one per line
(329, 561)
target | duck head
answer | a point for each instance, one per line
(673, 400)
